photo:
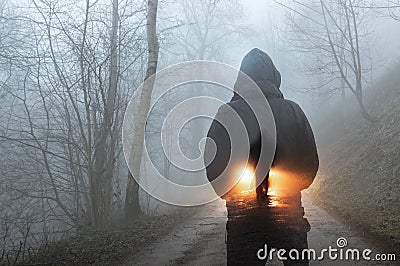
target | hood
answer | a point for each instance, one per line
(260, 68)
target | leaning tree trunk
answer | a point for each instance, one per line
(353, 36)
(364, 111)
(132, 208)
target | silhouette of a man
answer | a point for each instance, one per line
(254, 221)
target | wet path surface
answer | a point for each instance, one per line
(266, 223)
(201, 239)
(325, 231)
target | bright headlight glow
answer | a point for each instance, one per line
(273, 183)
(246, 181)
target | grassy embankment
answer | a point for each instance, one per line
(360, 164)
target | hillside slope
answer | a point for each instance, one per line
(360, 164)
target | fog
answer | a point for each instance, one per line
(68, 70)
(269, 21)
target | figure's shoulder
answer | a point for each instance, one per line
(227, 107)
(229, 111)
(289, 103)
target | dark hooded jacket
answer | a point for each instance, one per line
(296, 152)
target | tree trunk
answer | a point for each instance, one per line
(104, 154)
(132, 208)
(364, 112)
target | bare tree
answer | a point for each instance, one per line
(66, 86)
(389, 8)
(132, 208)
(206, 27)
(332, 33)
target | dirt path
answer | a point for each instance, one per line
(325, 231)
(201, 239)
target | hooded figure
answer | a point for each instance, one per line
(295, 154)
